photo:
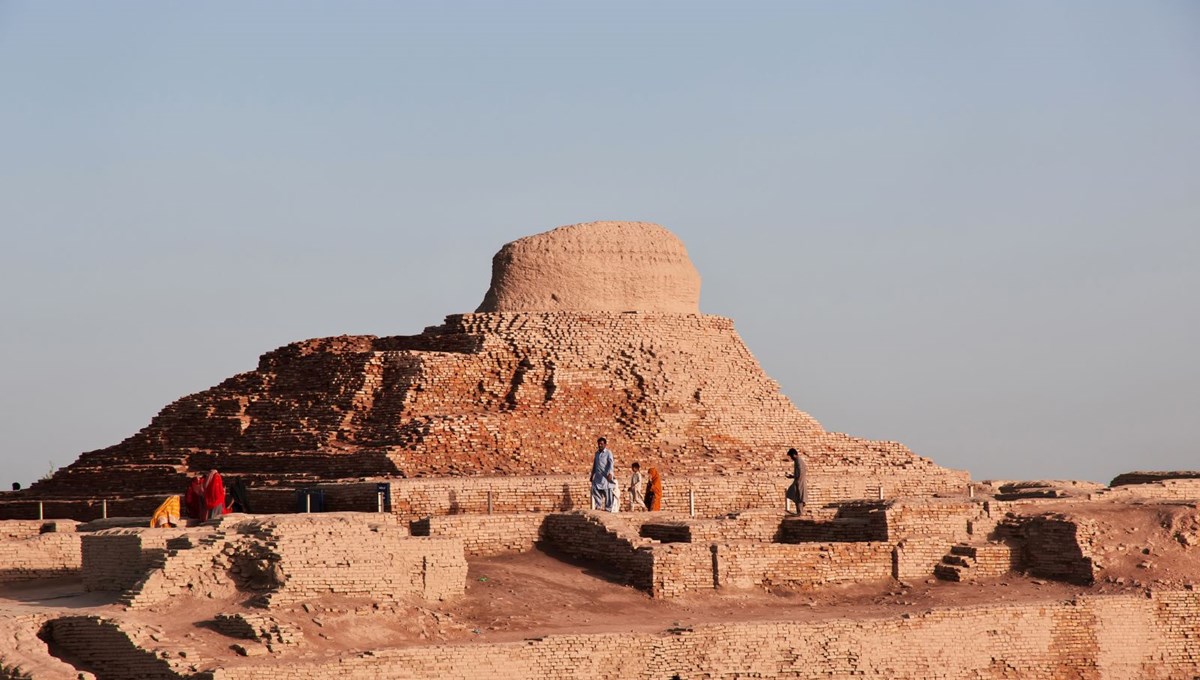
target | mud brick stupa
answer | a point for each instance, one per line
(587, 329)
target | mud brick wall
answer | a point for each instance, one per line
(291, 558)
(357, 556)
(748, 526)
(1169, 489)
(560, 493)
(850, 522)
(924, 529)
(116, 559)
(1059, 547)
(483, 535)
(26, 553)
(599, 536)
(117, 650)
(1122, 636)
(806, 565)
(682, 568)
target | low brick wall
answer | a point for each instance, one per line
(38, 549)
(1058, 547)
(116, 559)
(806, 565)
(600, 537)
(282, 558)
(422, 497)
(113, 650)
(755, 525)
(1122, 636)
(484, 535)
(923, 530)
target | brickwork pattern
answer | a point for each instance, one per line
(35, 549)
(282, 559)
(1123, 636)
(499, 393)
(484, 535)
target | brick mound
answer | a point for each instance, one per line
(598, 267)
(502, 393)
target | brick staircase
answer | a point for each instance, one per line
(970, 562)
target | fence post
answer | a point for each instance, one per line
(489, 502)
(307, 502)
(881, 491)
(692, 502)
(970, 490)
(104, 508)
(41, 511)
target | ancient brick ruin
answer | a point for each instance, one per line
(456, 538)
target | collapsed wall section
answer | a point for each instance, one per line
(275, 560)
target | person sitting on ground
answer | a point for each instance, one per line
(637, 495)
(654, 490)
(797, 491)
(167, 514)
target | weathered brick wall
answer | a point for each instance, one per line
(809, 565)
(114, 649)
(381, 562)
(36, 549)
(1058, 546)
(483, 535)
(599, 536)
(282, 558)
(1125, 636)
(763, 525)
(850, 522)
(680, 568)
(1168, 489)
(116, 559)
(924, 529)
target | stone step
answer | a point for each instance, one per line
(965, 550)
(950, 572)
(959, 560)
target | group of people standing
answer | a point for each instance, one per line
(646, 494)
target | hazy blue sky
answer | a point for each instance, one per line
(973, 227)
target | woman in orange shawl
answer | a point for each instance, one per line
(654, 490)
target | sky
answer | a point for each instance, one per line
(972, 227)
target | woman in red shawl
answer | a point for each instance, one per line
(194, 505)
(205, 497)
(654, 490)
(214, 495)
